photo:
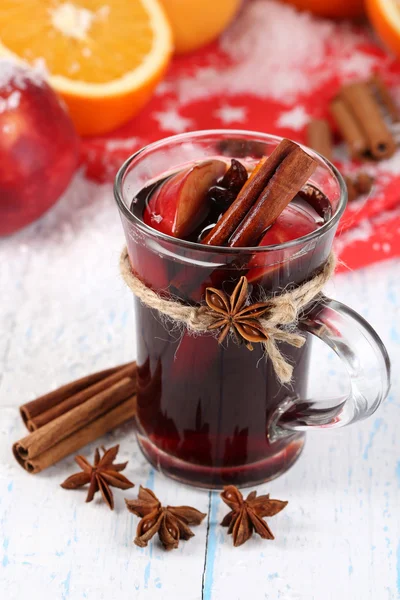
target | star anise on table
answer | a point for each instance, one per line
(170, 522)
(101, 476)
(232, 314)
(247, 515)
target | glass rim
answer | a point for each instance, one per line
(118, 195)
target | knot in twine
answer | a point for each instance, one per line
(278, 322)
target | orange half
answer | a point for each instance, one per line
(385, 17)
(103, 56)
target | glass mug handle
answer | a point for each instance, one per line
(366, 361)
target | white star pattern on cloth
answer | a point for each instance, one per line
(123, 144)
(294, 119)
(164, 87)
(171, 120)
(231, 114)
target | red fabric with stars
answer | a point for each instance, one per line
(370, 228)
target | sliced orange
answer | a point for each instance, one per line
(197, 22)
(103, 56)
(385, 17)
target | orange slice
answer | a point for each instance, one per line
(197, 22)
(103, 56)
(385, 17)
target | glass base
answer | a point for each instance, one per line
(215, 478)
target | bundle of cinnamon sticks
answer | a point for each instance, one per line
(70, 417)
(363, 112)
(365, 115)
(272, 185)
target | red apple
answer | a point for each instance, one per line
(292, 224)
(149, 267)
(179, 205)
(38, 146)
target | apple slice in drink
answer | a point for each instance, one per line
(180, 204)
(293, 223)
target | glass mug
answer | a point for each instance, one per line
(210, 414)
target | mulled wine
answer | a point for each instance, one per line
(204, 409)
(253, 217)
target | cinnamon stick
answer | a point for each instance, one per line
(32, 409)
(248, 195)
(84, 394)
(349, 128)
(352, 193)
(106, 422)
(385, 97)
(79, 417)
(363, 183)
(286, 181)
(361, 102)
(319, 137)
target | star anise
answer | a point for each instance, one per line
(247, 515)
(103, 474)
(170, 522)
(230, 313)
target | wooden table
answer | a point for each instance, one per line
(64, 312)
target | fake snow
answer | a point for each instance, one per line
(285, 58)
(65, 265)
(15, 75)
(75, 22)
(71, 21)
(11, 102)
(360, 233)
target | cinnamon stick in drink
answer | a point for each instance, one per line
(88, 433)
(349, 128)
(248, 195)
(286, 181)
(319, 137)
(32, 409)
(361, 102)
(84, 394)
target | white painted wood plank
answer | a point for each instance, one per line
(55, 543)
